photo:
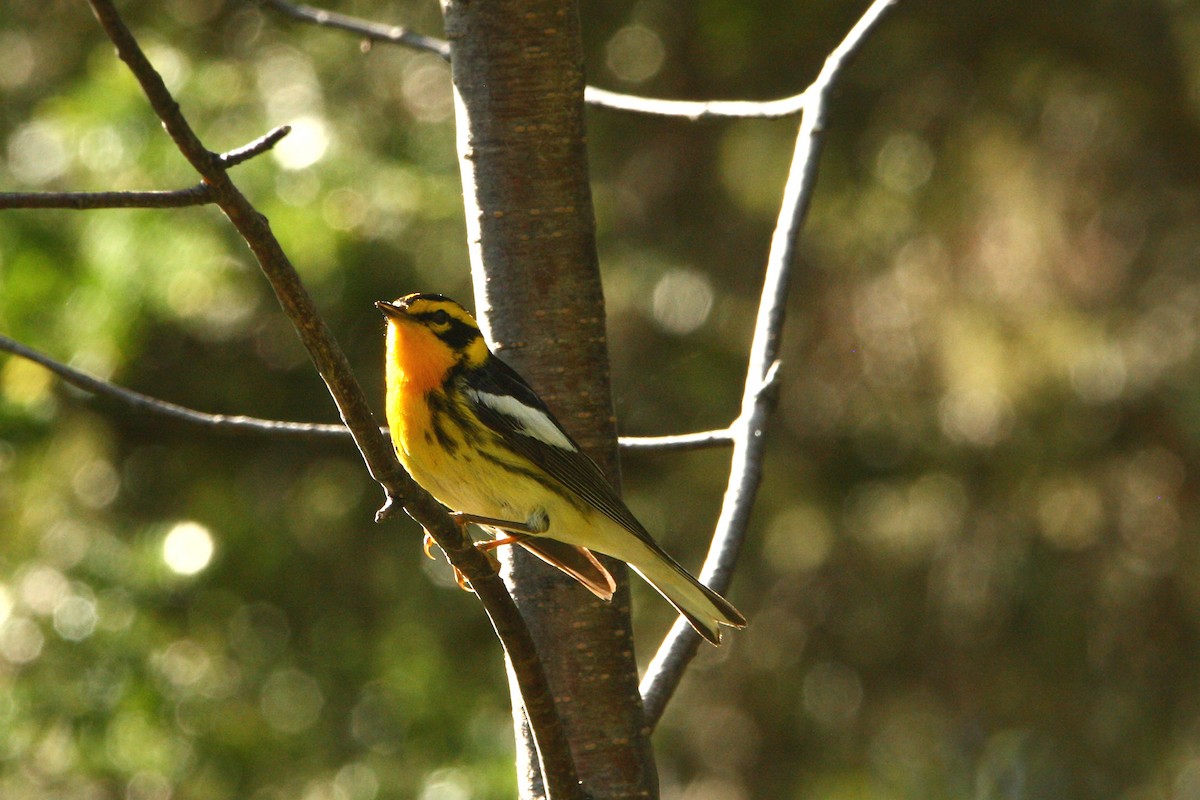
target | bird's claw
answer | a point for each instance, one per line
(462, 581)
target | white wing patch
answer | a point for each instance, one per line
(529, 421)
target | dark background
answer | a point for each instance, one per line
(972, 571)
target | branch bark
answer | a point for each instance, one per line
(335, 370)
(679, 648)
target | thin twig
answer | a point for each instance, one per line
(371, 31)
(696, 110)
(259, 146)
(669, 663)
(703, 440)
(601, 98)
(335, 370)
(225, 422)
(198, 195)
(243, 424)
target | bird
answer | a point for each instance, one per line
(474, 434)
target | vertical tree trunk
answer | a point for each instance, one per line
(518, 78)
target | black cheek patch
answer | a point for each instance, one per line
(459, 334)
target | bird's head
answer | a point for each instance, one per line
(428, 336)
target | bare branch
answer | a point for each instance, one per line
(696, 110)
(669, 663)
(678, 442)
(335, 370)
(198, 195)
(602, 98)
(259, 146)
(142, 402)
(240, 423)
(371, 31)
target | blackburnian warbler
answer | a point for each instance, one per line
(474, 434)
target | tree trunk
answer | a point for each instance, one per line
(518, 78)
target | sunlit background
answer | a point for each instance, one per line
(974, 570)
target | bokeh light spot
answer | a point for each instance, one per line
(6, 603)
(904, 163)
(832, 694)
(75, 618)
(96, 483)
(357, 782)
(42, 588)
(682, 301)
(305, 145)
(426, 89)
(25, 383)
(635, 54)
(21, 640)
(187, 548)
(291, 701)
(446, 784)
(36, 153)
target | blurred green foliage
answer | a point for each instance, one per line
(973, 569)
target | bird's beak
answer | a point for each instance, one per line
(390, 310)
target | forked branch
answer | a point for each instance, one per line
(679, 648)
(335, 370)
(370, 31)
(198, 195)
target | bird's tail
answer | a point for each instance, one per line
(706, 610)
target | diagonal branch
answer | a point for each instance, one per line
(259, 146)
(669, 663)
(369, 31)
(602, 98)
(142, 402)
(335, 370)
(198, 195)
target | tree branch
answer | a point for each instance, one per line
(669, 663)
(370, 31)
(602, 98)
(702, 440)
(696, 110)
(335, 370)
(259, 146)
(243, 424)
(141, 402)
(198, 195)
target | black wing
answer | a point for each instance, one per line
(518, 422)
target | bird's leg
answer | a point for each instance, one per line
(461, 520)
(517, 532)
(492, 544)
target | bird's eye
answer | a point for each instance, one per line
(439, 317)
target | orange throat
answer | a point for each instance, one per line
(417, 361)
